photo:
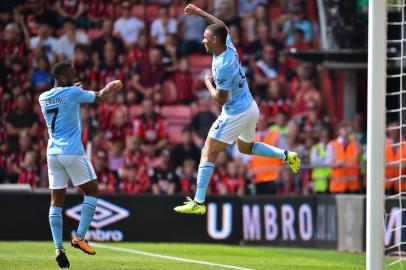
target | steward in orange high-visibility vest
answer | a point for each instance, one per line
(343, 154)
(395, 153)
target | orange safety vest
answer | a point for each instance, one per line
(346, 177)
(393, 163)
(259, 164)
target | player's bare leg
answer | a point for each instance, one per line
(210, 151)
(55, 221)
(91, 191)
(290, 158)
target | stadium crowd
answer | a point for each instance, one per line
(148, 137)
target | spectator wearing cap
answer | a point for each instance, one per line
(128, 27)
(66, 43)
(150, 128)
(296, 20)
(44, 42)
(107, 37)
(162, 26)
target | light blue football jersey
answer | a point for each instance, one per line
(229, 75)
(60, 107)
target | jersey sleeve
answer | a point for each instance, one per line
(83, 96)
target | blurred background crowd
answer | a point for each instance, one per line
(148, 137)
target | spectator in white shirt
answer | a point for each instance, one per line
(162, 26)
(67, 42)
(128, 27)
(44, 42)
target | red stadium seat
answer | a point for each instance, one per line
(135, 111)
(94, 33)
(177, 114)
(152, 12)
(175, 134)
(138, 11)
(197, 62)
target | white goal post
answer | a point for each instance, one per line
(376, 134)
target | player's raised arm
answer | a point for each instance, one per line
(194, 10)
(110, 88)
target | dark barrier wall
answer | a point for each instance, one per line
(296, 221)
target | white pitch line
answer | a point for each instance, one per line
(148, 254)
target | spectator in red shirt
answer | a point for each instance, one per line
(149, 75)
(107, 179)
(188, 177)
(275, 102)
(109, 69)
(18, 73)
(132, 182)
(106, 37)
(95, 13)
(12, 44)
(83, 65)
(15, 158)
(21, 120)
(119, 128)
(70, 8)
(139, 53)
(183, 80)
(306, 93)
(150, 128)
(298, 45)
(29, 173)
(232, 182)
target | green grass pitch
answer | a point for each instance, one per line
(39, 255)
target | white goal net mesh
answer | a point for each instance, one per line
(395, 150)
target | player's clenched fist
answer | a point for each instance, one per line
(208, 77)
(115, 85)
(191, 10)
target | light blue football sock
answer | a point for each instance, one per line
(86, 215)
(55, 221)
(203, 178)
(265, 150)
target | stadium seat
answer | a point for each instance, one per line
(175, 134)
(138, 11)
(177, 114)
(135, 111)
(94, 33)
(151, 13)
(197, 62)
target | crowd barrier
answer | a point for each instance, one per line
(324, 221)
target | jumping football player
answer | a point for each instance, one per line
(66, 157)
(239, 116)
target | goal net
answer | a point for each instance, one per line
(395, 144)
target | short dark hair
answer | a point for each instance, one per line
(60, 68)
(219, 30)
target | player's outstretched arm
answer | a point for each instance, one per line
(194, 10)
(110, 88)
